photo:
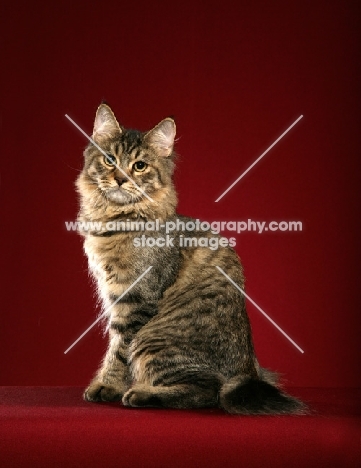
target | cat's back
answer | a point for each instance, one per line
(202, 251)
(201, 302)
(201, 315)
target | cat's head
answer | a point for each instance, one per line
(126, 171)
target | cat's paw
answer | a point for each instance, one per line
(98, 391)
(141, 395)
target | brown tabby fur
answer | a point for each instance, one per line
(180, 337)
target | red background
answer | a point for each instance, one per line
(235, 75)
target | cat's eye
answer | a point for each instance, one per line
(110, 159)
(140, 166)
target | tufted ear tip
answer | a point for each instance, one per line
(105, 124)
(161, 137)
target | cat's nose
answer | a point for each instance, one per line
(120, 179)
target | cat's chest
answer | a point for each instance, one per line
(107, 254)
(117, 262)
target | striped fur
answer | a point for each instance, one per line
(181, 337)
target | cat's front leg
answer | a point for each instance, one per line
(113, 379)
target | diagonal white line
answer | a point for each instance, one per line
(258, 159)
(105, 154)
(107, 310)
(262, 312)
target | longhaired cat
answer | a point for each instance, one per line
(180, 337)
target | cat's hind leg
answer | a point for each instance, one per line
(173, 396)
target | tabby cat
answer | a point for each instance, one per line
(180, 337)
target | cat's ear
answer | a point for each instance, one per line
(161, 138)
(105, 124)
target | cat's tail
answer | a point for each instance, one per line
(246, 395)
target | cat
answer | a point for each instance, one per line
(180, 337)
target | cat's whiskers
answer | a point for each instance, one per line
(74, 168)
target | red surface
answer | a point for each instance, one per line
(45, 427)
(235, 75)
